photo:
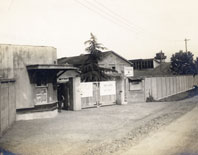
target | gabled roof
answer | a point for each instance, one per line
(161, 70)
(79, 60)
(108, 52)
(76, 60)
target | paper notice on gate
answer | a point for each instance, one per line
(107, 88)
(86, 89)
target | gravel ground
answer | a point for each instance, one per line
(97, 131)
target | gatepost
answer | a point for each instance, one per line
(76, 94)
(120, 91)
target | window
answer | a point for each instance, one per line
(135, 85)
(112, 66)
(41, 79)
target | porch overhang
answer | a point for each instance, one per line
(52, 68)
(135, 78)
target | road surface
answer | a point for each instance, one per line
(133, 129)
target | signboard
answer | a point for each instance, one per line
(128, 71)
(86, 89)
(41, 96)
(107, 88)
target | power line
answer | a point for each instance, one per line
(119, 16)
(111, 14)
(104, 15)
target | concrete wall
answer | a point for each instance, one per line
(135, 95)
(111, 60)
(13, 61)
(161, 87)
(7, 105)
(76, 94)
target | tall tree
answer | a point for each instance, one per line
(182, 63)
(90, 70)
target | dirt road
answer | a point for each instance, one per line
(142, 128)
(179, 137)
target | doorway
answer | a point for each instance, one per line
(64, 93)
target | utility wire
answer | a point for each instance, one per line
(119, 16)
(111, 15)
(104, 16)
(119, 20)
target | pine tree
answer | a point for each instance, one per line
(90, 70)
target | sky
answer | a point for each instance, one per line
(132, 28)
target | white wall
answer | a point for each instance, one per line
(161, 87)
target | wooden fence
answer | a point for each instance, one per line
(7, 104)
(161, 87)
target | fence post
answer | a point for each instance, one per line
(76, 94)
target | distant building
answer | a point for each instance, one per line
(109, 60)
(142, 64)
(120, 69)
(160, 57)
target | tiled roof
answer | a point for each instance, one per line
(78, 60)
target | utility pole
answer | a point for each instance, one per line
(161, 60)
(186, 44)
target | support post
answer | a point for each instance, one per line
(120, 91)
(76, 94)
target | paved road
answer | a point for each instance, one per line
(106, 130)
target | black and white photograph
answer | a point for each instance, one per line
(98, 77)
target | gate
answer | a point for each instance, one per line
(95, 94)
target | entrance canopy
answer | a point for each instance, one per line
(50, 68)
(44, 73)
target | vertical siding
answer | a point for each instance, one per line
(7, 106)
(161, 87)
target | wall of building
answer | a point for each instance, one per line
(135, 91)
(155, 63)
(13, 61)
(7, 105)
(114, 61)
